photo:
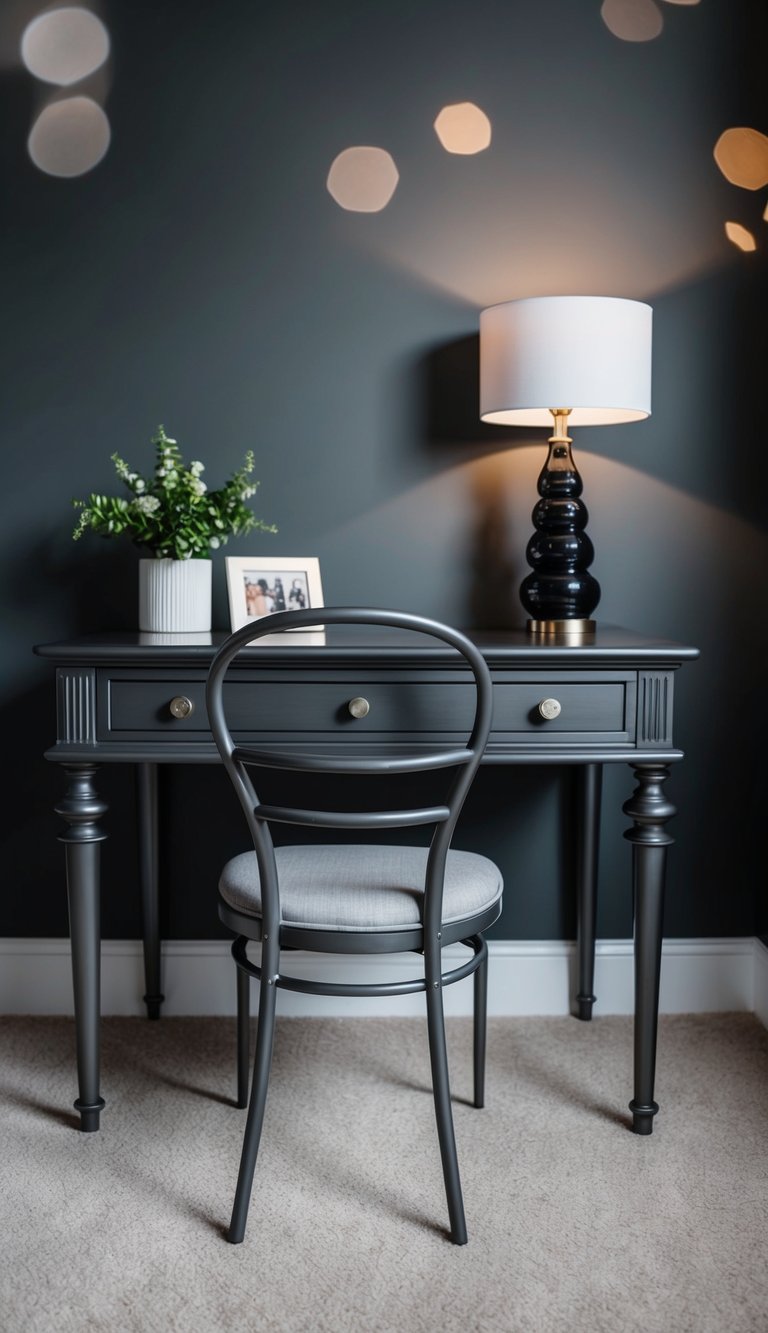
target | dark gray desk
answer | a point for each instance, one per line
(140, 699)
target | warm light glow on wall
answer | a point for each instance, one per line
(463, 128)
(363, 180)
(504, 235)
(740, 236)
(69, 137)
(742, 156)
(65, 45)
(632, 20)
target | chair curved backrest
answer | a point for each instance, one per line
(239, 759)
(477, 904)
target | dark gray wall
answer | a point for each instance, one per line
(201, 276)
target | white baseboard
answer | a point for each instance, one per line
(525, 978)
(760, 1004)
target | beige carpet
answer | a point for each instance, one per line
(574, 1223)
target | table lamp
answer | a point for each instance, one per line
(582, 361)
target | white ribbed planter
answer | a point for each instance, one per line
(174, 596)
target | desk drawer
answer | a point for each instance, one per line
(296, 708)
(300, 705)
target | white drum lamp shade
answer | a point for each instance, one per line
(591, 354)
(571, 360)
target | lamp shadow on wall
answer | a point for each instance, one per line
(451, 432)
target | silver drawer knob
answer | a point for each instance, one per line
(549, 709)
(181, 706)
(359, 707)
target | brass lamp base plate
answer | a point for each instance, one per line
(561, 631)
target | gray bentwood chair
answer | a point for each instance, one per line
(356, 899)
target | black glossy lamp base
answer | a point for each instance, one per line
(560, 594)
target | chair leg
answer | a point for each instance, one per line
(442, 1093)
(479, 1031)
(265, 1032)
(243, 1034)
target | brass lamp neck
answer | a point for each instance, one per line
(560, 594)
(560, 415)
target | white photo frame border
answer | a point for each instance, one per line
(287, 566)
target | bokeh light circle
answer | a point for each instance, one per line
(742, 156)
(64, 45)
(740, 237)
(363, 179)
(463, 128)
(632, 20)
(69, 137)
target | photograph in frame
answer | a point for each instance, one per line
(259, 586)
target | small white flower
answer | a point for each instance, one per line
(214, 543)
(138, 484)
(197, 487)
(146, 504)
(196, 469)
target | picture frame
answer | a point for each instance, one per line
(259, 586)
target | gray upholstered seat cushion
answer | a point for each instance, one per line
(374, 888)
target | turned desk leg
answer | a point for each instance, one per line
(146, 792)
(650, 809)
(589, 785)
(81, 808)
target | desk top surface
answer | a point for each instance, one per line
(349, 645)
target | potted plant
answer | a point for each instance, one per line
(173, 515)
